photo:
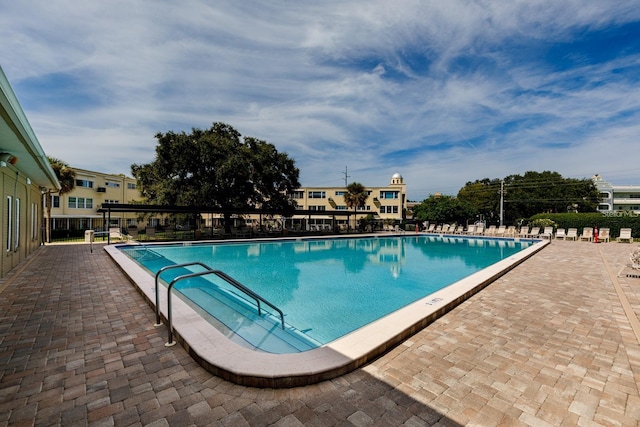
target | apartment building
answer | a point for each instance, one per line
(617, 198)
(384, 203)
(77, 210)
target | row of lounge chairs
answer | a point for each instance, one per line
(588, 235)
(480, 230)
(533, 232)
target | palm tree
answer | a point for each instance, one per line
(67, 179)
(355, 197)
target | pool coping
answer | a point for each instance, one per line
(241, 365)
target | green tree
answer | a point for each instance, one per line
(484, 196)
(547, 192)
(442, 209)
(530, 194)
(355, 197)
(218, 168)
(67, 179)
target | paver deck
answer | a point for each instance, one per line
(552, 342)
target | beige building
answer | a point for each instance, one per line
(25, 174)
(384, 203)
(77, 210)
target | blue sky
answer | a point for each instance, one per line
(443, 92)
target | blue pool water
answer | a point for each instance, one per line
(325, 287)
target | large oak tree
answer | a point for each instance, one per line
(219, 168)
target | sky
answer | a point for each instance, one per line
(442, 92)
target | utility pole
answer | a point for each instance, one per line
(502, 202)
(346, 176)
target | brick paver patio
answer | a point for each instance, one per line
(550, 343)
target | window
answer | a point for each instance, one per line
(55, 201)
(16, 231)
(340, 193)
(111, 201)
(84, 183)
(9, 223)
(80, 203)
(389, 209)
(364, 208)
(389, 194)
(317, 208)
(297, 195)
(131, 186)
(34, 221)
(317, 195)
(341, 208)
(112, 184)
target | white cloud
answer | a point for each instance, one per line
(442, 92)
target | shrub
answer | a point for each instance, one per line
(543, 222)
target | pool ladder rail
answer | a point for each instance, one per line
(208, 270)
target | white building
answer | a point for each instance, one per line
(617, 198)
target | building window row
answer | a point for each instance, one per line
(389, 209)
(112, 184)
(84, 183)
(80, 203)
(317, 195)
(389, 194)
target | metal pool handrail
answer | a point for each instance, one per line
(162, 270)
(209, 270)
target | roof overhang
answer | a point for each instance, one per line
(18, 139)
(122, 207)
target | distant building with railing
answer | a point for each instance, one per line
(79, 210)
(617, 198)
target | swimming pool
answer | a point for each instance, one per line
(369, 282)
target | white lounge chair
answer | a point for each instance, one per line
(491, 231)
(398, 229)
(510, 231)
(561, 234)
(604, 235)
(547, 233)
(535, 231)
(524, 231)
(625, 235)
(116, 233)
(572, 234)
(500, 231)
(471, 229)
(587, 234)
(479, 230)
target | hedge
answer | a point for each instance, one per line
(580, 220)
